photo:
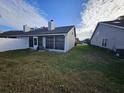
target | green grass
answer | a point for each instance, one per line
(84, 69)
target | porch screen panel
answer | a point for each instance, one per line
(31, 41)
(50, 42)
(59, 42)
(40, 44)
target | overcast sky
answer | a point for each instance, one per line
(84, 14)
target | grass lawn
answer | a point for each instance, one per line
(84, 69)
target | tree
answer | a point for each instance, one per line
(121, 18)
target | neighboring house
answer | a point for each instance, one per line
(52, 38)
(109, 35)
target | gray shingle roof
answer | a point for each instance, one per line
(17, 32)
(39, 31)
(57, 30)
(115, 22)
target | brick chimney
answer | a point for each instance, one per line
(51, 25)
(26, 28)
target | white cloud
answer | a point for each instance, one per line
(16, 13)
(96, 11)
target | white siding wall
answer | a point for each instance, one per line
(13, 44)
(70, 40)
(114, 35)
(120, 39)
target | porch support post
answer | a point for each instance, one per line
(44, 42)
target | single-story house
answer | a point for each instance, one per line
(109, 35)
(52, 38)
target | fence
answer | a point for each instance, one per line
(13, 44)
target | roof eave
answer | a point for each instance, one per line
(112, 25)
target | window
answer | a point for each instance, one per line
(104, 42)
(35, 41)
